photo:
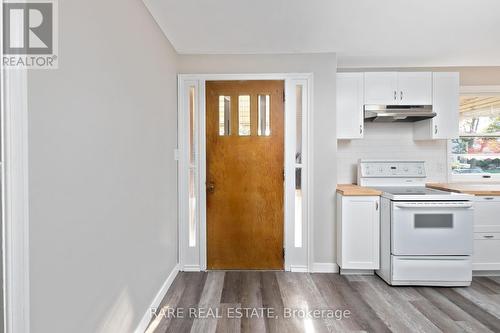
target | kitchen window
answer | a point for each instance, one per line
(475, 155)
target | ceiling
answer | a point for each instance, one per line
(363, 33)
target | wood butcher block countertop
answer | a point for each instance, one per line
(473, 188)
(355, 190)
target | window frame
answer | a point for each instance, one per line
(476, 178)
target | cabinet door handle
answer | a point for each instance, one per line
(395, 95)
(435, 129)
(488, 198)
(360, 129)
(401, 95)
(488, 236)
(376, 205)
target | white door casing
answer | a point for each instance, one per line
(192, 257)
(15, 213)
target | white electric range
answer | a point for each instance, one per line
(426, 234)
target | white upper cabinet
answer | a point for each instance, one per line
(398, 88)
(350, 105)
(439, 89)
(445, 103)
(414, 88)
(381, 88)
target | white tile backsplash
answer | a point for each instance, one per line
(390, 141)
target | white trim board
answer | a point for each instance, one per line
(485, 272)
(15, 214)
(191, 268)
(325, 267)
(191, 257)
(14, 187)
(299, 268)
(146, 319)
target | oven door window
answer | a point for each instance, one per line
(438, 221)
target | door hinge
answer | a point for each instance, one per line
(283, 253)
(283, 98)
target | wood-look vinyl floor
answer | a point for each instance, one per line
(253, 301)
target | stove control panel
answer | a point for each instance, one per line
(391, 169)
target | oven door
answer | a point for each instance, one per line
(432, 228)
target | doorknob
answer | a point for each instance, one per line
(210, 187)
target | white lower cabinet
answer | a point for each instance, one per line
(486, 251)
(486, 233)
(358, 232)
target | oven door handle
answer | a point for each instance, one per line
(435, 205)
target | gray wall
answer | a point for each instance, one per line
(103, 196)
(324, 67)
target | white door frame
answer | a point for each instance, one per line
(14, 187)
(15, 213)
(192, 257)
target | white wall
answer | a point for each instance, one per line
(324, 67)
(103, 193)
(390, 141)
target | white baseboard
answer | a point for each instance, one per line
(157, 300)
(299, 268)
(357, 272)
(191, 268)
(486, 273)
(485, 267)
(325, 267)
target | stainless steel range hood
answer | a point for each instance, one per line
(398, 113)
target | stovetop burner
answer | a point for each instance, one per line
(414, 190)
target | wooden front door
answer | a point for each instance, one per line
(245, 177)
